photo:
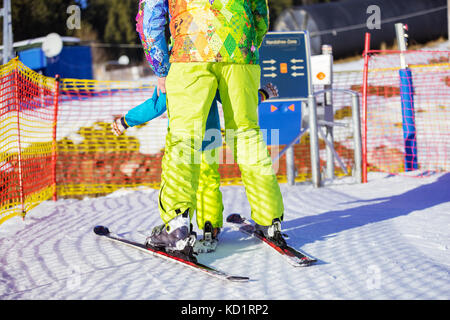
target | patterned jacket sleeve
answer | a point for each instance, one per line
(261, 19)
(150, 24)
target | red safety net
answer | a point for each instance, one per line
(27, 117)
(56, 140)
(400, 119)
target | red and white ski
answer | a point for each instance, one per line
(185, 260)
(293, 256)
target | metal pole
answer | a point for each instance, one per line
(290, 166)
(7, 32)
(314, 142)
(54, 136)
(329, 114)
(401, 40)
(313, 131)
(357, 138)
(364, 107)
(336, 156)
(448, 19)
(19, 145)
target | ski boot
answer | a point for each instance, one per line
(209, 241)
(175, 237)
(272, 233)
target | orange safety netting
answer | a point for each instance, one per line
(56, 140)
(27, 119)
(424, 122)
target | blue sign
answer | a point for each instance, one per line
(284, 61)
(283, 116)
(33, 58)
(72, 62)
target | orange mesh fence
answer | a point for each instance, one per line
(408, 123)
(91, 159)
(27, 115)
(58, 138)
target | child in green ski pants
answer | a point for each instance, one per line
(209, 198)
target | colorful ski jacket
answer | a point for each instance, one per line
(202, 31)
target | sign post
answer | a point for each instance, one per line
(322, 74)
(285, 62)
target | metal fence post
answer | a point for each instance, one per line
(329, 114)
(357, 138)
(290, 165)
(54, 136)
(314, 141)
(364, 106)
(8, 43)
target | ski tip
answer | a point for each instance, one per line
(238, 279)
(306, 262)
(235, 218)
(101, 230)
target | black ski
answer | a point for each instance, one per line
(186, 260)
(293, 256)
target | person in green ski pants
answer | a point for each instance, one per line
(214, 48)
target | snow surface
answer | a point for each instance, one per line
(387, 239)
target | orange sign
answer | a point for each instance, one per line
(283, 68)
(321, 76)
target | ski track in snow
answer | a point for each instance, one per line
(387, 239)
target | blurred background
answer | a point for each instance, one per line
(104, 45)
(56, 138)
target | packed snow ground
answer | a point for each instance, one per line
(387, 239)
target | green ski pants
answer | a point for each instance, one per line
(191, 88)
